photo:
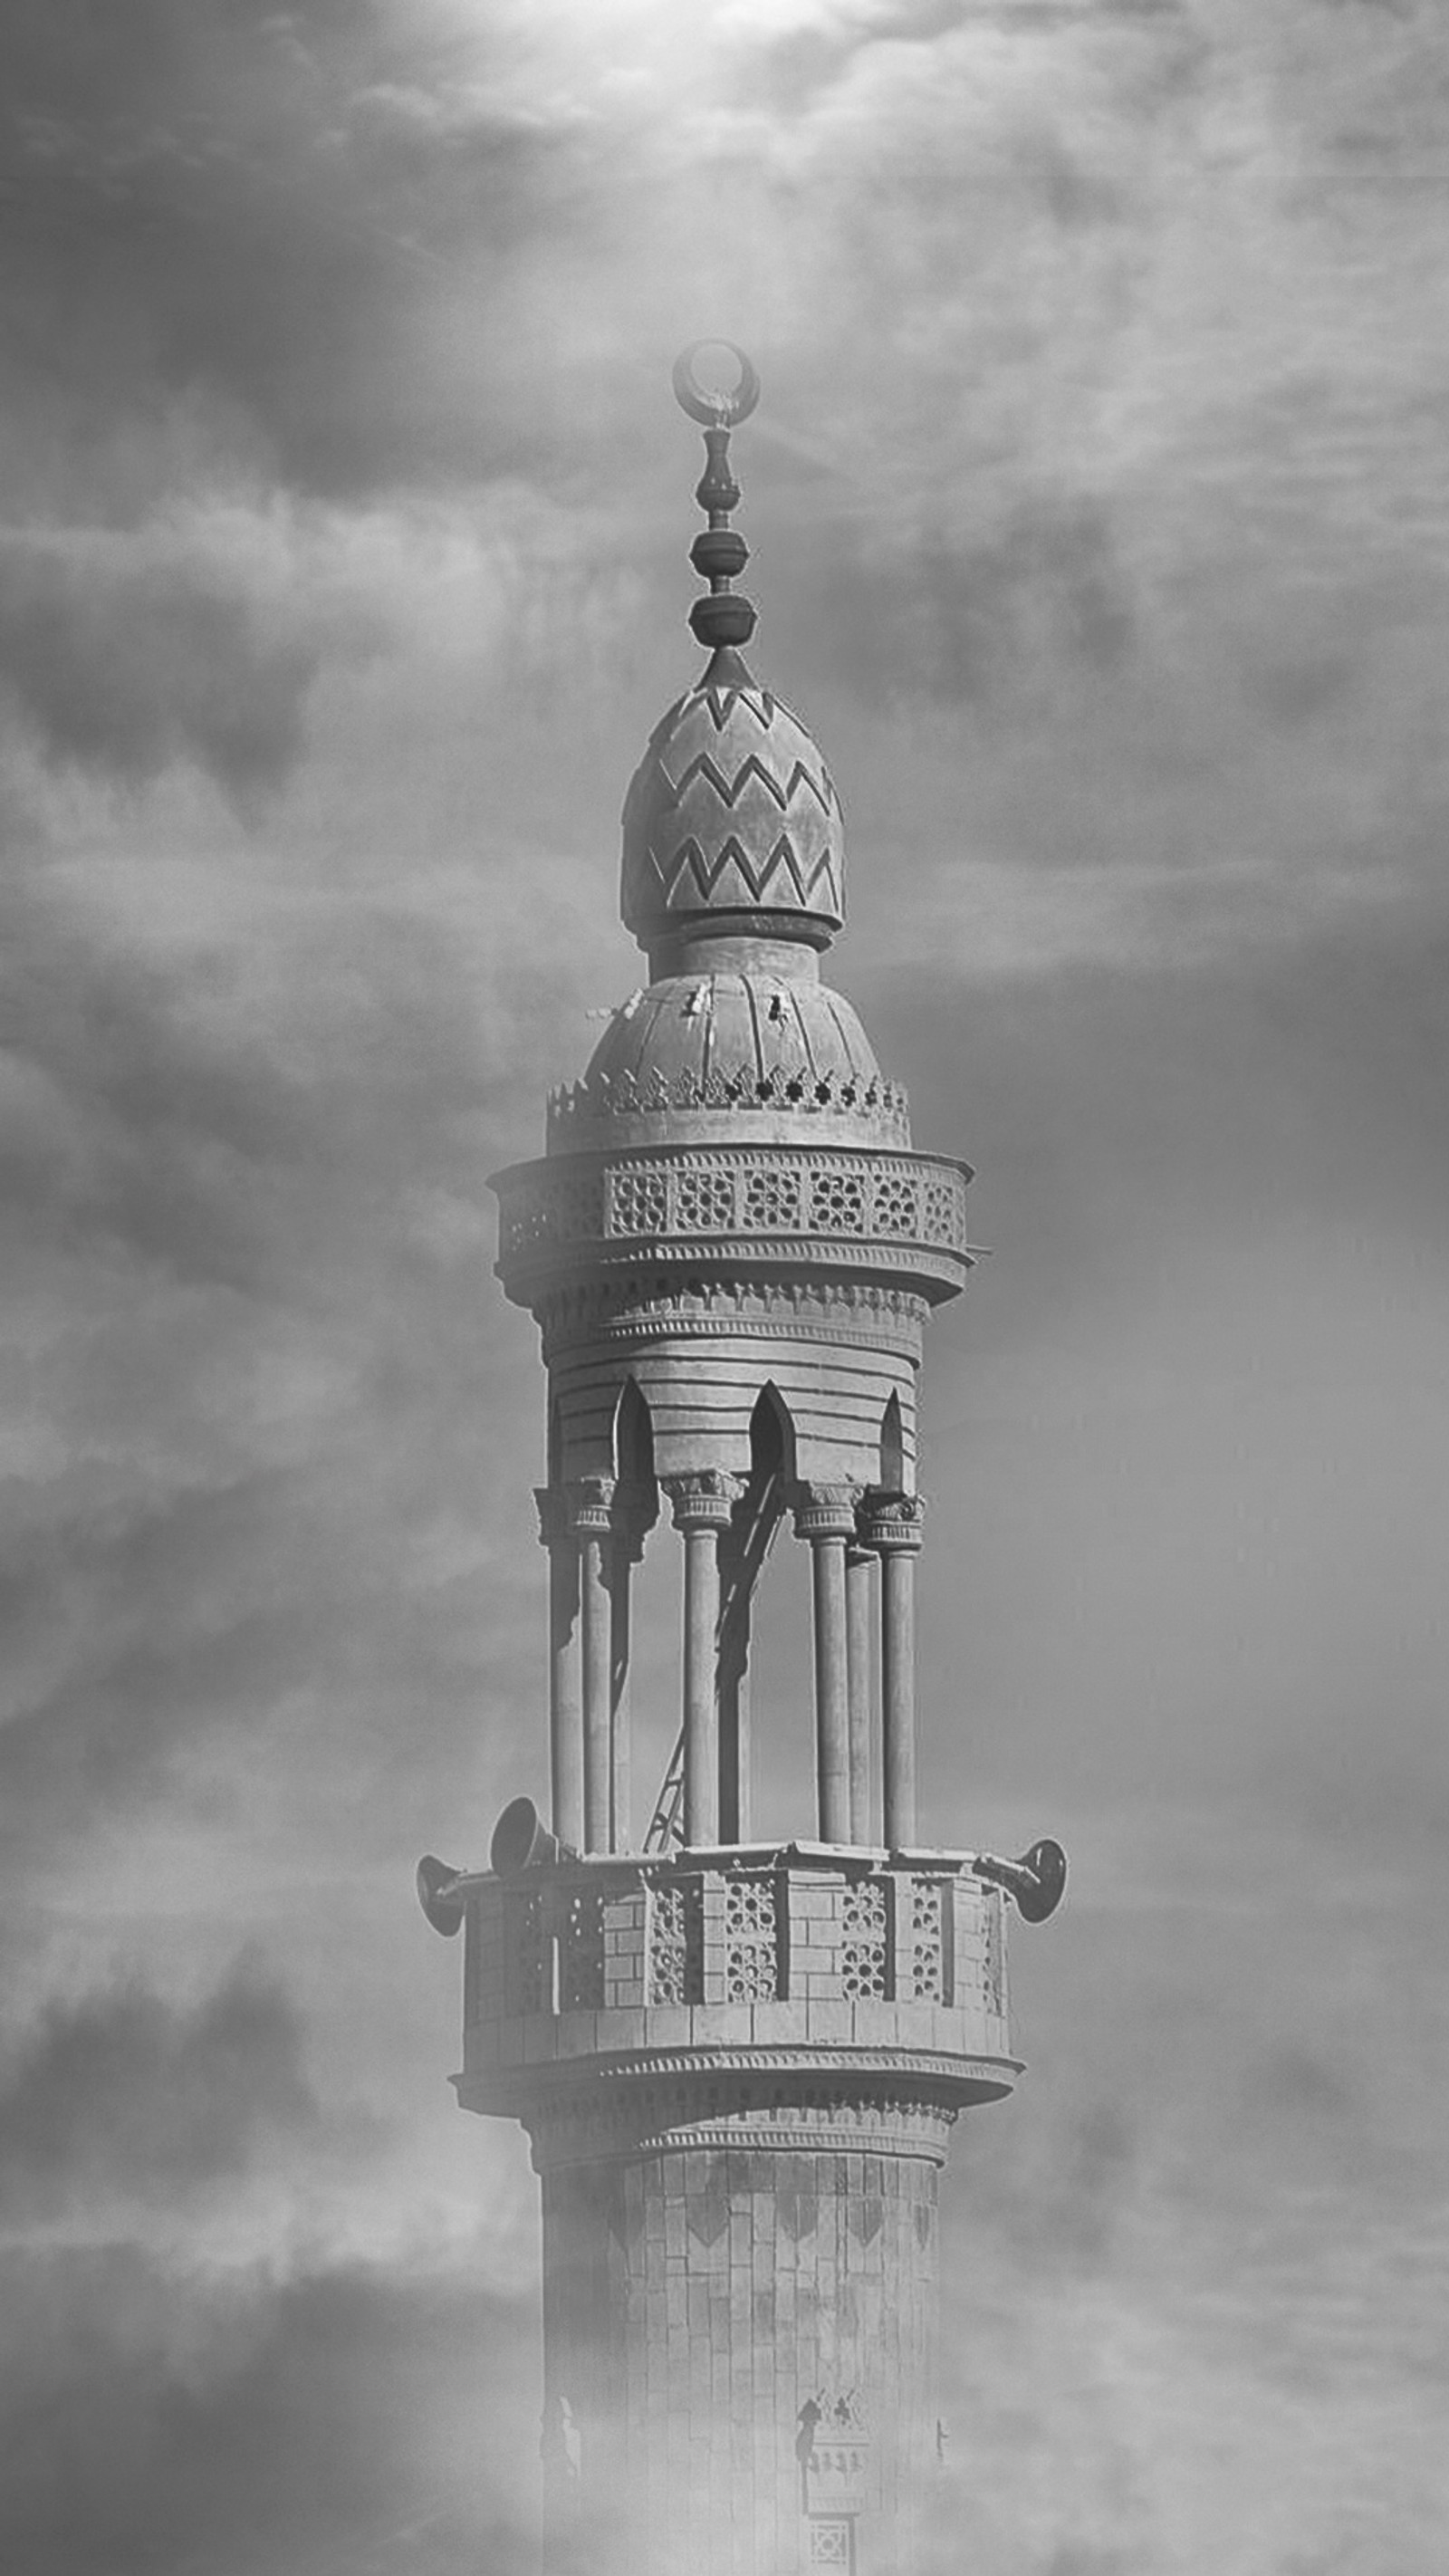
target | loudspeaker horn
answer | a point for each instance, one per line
(438, 1896)
(521, 1840)
(1037, 1881)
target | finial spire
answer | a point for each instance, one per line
(719, 552)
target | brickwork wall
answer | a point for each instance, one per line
(698, 2305)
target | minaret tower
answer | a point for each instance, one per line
(738, 2063)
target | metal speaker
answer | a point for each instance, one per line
(438, 1896)
(521, 1840)
(1037, 1881)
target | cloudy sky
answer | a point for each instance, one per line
(1100, 506)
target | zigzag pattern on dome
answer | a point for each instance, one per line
(690, 857)
(702, 821)
(729, 790)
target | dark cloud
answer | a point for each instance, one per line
(124, 665)
(160, 2422)
(122, 2094)
(1098, 504)
(235, 1183)
(281, 216)
(979, 626)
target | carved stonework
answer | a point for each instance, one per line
(865, 1951)
(731, 809)
(646, 2112)
(890, 1521)
(745, 1090)
(738, 2061)
(826, 1511)
(927, 1941)
(591, 1506)
(660, 1933)
(751, 1939)
(676, 1957)
(831, 1309)
(704, 1500)
(740, 1204)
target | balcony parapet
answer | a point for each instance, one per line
(899, 1217)
(772, 1965)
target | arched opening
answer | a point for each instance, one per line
(892, 1448)
(633, 1438)
(635, 1510)
(772, 1437)
(765, 1642)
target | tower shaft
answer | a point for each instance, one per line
(738, 2063)
(739, 2078)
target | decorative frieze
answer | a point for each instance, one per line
(576, 2118)
(704, 1938)
(734, 1203)
(786, 1083)
(640, 1306)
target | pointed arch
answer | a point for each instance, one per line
(633, 1437)
(892, 1448)
(772, 1437)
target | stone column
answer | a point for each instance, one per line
(565, 1725)
(892, 1524)
(825, 1515)
(702, 1505)
(591, 1517)
(858, 1563)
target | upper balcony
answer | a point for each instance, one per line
(899, 1218)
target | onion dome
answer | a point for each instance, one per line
(732, 812)
(732, 824)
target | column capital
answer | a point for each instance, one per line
(704, 1500)
(892, 1522)
(826, 1511)
(591, 1506)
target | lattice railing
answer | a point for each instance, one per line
(738, 1192)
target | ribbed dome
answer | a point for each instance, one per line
(734, 1031)
(732, 817)
(766, 1054)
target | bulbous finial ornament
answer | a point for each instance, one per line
(719, 387)
(732, 824)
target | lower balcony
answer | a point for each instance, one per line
(756, 1961)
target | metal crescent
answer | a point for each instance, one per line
(715, 411)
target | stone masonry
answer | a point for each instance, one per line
(739, 2079)
(738, 2063)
